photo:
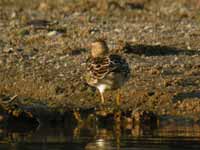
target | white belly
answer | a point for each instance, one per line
(102, 87)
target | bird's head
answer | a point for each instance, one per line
(99, 48)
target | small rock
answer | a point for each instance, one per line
(8, 50)
(117, 30)
(13, 15)
(61, 75)
(63, 57)
(43, 6)
(133, 39)
(175, 58)
(23, 32)
(132, 6)
(188, 47)
(19, 49)
(154, 71)
(168, 83)
(57, 66)
(179, 102)
(94, 30)
(53, 33)
(151, 93)
(38, 23)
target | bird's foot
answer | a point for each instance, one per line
(117, 116)
(77, 115)
(103, 110)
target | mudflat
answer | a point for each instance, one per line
(44, 46)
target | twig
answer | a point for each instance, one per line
(9, 101)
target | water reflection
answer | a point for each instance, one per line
(90, 136)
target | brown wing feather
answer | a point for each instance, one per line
(100, 67)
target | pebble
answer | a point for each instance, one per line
(63, 57)
(13, 15)
(57, 66)
(53, 33)
(43, 6)
(23, 32)
(61, 75)
(133, 39)
(117, 30)
(154, 71)
(8, 50)
(38, 23)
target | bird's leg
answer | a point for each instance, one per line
(77, 116)
(117, 114)
(102, 98)
(118, 98)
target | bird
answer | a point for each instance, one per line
(105, 71)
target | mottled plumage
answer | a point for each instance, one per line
(106, 71)
(102, 68)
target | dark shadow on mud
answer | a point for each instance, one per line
(22, 124)
(114, 5)
(157, 50)
(186, 95)
(133, 6)
(77, 51)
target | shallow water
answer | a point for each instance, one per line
(168, 136)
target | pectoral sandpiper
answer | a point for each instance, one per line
(104, 70)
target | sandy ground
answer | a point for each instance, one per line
(44, 47)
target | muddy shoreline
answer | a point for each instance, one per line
(44, 47)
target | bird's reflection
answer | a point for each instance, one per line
(114, 134)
